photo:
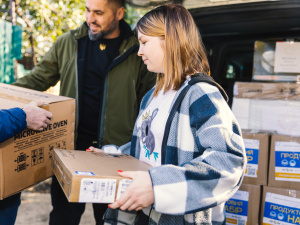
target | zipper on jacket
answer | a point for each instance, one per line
(77, 95)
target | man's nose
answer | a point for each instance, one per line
(90, 18)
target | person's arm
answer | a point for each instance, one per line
(112, 149)
(15, 120)
(12, 121)
(45, 74)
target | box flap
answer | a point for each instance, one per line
(13, 96)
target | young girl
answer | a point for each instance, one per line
(202, 164)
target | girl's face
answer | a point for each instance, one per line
(152, 52)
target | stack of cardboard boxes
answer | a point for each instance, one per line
(269, 114)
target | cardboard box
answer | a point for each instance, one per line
(284, 170)
(93, 177)
(276, 61)
(267, 91)
(268, 106)
(244, 206)
(257, 150)
(25, 158)
(280, 206)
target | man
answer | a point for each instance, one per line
(98, 65)
(13, 121)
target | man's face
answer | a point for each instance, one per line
(103, 19)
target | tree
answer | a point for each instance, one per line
(45, 20)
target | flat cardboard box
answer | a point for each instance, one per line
(243, 207)
(284, 170)
(280, 206)
(93, 177)
(257, 150)
(268, 91)
(268, 106)
(25, 159)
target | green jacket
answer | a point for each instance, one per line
(126, 82)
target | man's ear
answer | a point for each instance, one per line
(120, 13)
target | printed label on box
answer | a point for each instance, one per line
(287, 57)
(123, 185)
(97, 190)
(280, 209)
(252, 151)
(287, 162)
(237, 208)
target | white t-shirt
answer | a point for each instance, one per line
(151, 127)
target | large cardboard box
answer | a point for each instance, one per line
(280, 206)
(268, 106)
(284, 170)
(257, 150)
(25, 158)
(244, 206)
(93, 177)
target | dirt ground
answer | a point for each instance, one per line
(36, 206)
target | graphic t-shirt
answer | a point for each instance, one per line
(151, 127)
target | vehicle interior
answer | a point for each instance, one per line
(229, 33)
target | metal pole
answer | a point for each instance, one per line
(12, 11)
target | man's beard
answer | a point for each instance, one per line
(102, 34)
(94, 37)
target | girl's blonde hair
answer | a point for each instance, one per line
(184, 50)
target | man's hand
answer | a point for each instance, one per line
(37, 118)
(138, 195)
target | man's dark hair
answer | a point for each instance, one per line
(120, 3)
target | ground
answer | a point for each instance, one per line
(36, 206)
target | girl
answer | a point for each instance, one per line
(202, 164)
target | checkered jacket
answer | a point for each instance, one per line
(205, 162)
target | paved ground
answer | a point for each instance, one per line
(36, 206)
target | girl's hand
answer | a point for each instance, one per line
(93, 149)
(138, 195)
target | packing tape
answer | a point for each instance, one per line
(15, 98)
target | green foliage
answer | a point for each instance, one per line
(134, 14)
(45, 20)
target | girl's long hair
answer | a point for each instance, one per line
(184, 50)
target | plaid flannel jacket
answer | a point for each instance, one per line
(205, 162)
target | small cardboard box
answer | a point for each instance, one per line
(257, 150)
(93, 177)
(284, 169)
(243, 207)
(280, 206)
(25, 158)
